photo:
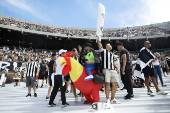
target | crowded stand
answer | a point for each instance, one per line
(43, 57)
(122, 32)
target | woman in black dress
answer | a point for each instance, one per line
(42, 73)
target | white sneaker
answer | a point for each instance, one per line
(114, 101)
(83, 99)
(90, 77)
(76, 100)
(161, 93)
(108, 101)
(151, 93)
(62, 106)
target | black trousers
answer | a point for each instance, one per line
(123, 80)
(57, 85)
(50, 79)
(126, 79)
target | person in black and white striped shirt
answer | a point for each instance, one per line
(109, 67)
(32, 71)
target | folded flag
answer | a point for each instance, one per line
(145, 57)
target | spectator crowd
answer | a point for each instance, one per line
(122, 32)
(24, 54)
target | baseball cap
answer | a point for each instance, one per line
(62, 51)
(87, 44)
(119, 43)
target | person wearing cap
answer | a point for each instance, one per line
(91, 59)
(126, 69)
(59, 81)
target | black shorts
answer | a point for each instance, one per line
(67, 77)
(148, 72)
(164, 69)
(16, 80)
(41, 77)
(46, 74)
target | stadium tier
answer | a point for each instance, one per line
(15, 32)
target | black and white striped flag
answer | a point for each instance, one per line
(145, 57)
(167, 62)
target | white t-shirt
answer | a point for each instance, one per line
(133, 62)
(155, 63)
(59, 68)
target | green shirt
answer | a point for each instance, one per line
(89, 56)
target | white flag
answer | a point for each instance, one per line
(100, 20)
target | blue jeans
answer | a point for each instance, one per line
(158, 72)
(89, 68)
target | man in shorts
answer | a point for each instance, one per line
(32, 71)
(149, 73)
(109, 70)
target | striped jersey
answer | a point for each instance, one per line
(107, 59)
(31, 69)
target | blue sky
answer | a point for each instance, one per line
(83, 13)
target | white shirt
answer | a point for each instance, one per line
(155, 63)
(133, 62)
(59, 68)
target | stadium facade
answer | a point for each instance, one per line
(15, 36)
